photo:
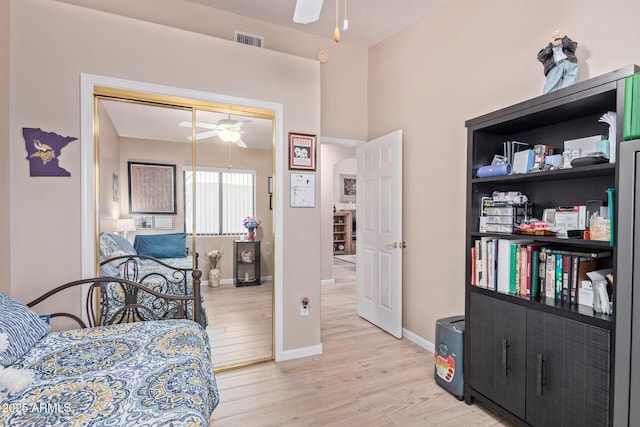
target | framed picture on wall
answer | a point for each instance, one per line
(163, 222)
(115, 187)
(347, 188)
(302, 151)
(152, 188)
(143, 222)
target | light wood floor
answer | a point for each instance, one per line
(364, 377)
(240, 323)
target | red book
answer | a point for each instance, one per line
(566, 278)
(473, 266)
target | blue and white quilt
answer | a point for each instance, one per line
(135, 374)
(170, 281)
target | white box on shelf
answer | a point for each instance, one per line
(584, 146)
(585, 293)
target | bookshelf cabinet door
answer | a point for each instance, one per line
(498, 346)
(568, 367)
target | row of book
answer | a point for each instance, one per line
(532, 270)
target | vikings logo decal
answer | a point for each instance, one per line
(43, 151)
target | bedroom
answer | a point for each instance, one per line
(134, 132)
(424, 99)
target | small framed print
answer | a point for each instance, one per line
(115, 182)
(143, 222)
(303, 192)
(347, 188)
(163, 222)
(302, 151)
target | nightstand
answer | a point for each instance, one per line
(246, 262)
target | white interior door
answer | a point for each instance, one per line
(379, 243)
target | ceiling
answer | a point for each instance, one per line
(158, 123)
(370, 21)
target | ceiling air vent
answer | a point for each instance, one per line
(249, 39)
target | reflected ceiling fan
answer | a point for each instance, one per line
(307, 11)
(228, 130)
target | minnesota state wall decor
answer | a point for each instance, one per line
(43, 151)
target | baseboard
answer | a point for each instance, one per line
(327, 282)
(427, 345)
(297, 353)
(231, 281)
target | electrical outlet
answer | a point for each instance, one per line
(304, 306)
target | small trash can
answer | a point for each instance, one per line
(449, 355)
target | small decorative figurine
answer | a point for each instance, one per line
(560, 63)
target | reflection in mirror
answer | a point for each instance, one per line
(222, 166)
(142, 235)
(234, 163)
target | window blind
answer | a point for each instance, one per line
(223, 198)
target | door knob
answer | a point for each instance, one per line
(393, 245)
(404, 245)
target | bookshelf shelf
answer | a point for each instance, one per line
(577, 312)
(577, 243)
(342, 233)
(509, 335)
(573, 173)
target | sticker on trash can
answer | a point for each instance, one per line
(445, 363)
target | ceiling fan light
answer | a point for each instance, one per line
(336, 34)
(345, 25)
(228, 135)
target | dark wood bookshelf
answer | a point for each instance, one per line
(577, 312)
(510, 338)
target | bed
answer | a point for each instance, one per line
(156, 372)
(158, 261)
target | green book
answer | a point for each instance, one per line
(628, 107)
(534, 273)
(558, 292)
(631, 121)
(514, 288)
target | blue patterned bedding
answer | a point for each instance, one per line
(151, 273)
(134, 374)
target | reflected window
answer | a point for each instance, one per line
(223, 198)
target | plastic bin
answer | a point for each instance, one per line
(449, 355)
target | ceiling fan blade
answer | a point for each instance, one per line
(238, 125)
(207, 134)
(187, 124)
(307, 11)
(240, 143)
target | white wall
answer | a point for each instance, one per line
(343, 77)
(5, 159)
(51, 44)
(455, 65)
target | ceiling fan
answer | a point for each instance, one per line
(307, 11)
(228, 130)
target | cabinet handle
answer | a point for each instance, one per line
(539, 374)
(505, 348)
